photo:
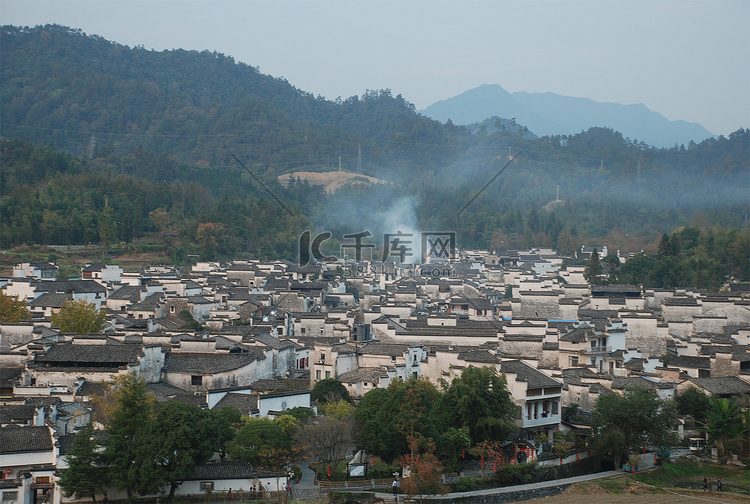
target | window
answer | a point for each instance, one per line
(196, 380)
(207, 486)
(317, 374)
(328, 374)
(573, 360)
(302, 330)
(322, 357)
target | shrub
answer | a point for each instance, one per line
(464, 484)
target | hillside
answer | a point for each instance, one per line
(331, 181)
(123, 144)
(548, 114)
(62, 86)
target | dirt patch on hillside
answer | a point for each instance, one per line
(331, 181)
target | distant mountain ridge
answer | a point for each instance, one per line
(547, 114)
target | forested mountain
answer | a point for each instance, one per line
(121, 144)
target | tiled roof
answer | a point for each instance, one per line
(723, 385)
(478, 356)
(371, 374)
(71, 286)
(245, 403)
(532, 376)
(205, 363)
(16, 413)
(226, 470)
(690, 361)
(25, 439)
(63, 353)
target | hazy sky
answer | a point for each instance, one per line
(687, 60)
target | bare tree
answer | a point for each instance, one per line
(327, 438)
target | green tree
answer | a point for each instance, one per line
(626, 422)
(693, 402)
(329, 389)
(593, 270)
(12, 310)
(478, 400)
(169, 448)
(724, 424)
(133, 411)
(223, 422)
(454, 441)
(260, 441)
(80, 317)
(85, 476)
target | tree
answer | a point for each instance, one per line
(133, 410)
(454, 441)
(693, 402)
(593, 270)
(478, 400)
(12, 310)
(223, 422)
(724, 424)
(262, 442)
(621, 423)
(329, 389)
(424, 469)
(172, 445)
(327, 438)
(84, 476)
(80, 317)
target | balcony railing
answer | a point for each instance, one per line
(540, 420)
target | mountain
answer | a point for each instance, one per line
(548, 114)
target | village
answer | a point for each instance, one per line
(268, 331)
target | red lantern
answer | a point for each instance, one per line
(329, 471)
(482, 461)
(372, 461)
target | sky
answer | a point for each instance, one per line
(686, 59)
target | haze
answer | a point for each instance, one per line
(688, 60)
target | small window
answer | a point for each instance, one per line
(322, 357)
(207, 486)
(172, 309)
(10, 496)
(317, 374)
(196, 380)
(302, 330)
(328, 374)
(283, 405)
(573, 361)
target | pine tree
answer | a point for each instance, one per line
(593, 270)
(84, 476)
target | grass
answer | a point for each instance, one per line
(689, 474)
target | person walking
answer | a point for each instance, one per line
(394, 485)
(705, 484)
(719, 486)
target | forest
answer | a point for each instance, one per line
(112, 145)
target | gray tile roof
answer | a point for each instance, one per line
(16, 413)
(205, 363)
(532, 376)
(25, 439)
(112, 354)
(723, 385)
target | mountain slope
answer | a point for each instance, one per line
(548, 114)
(63, 86)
